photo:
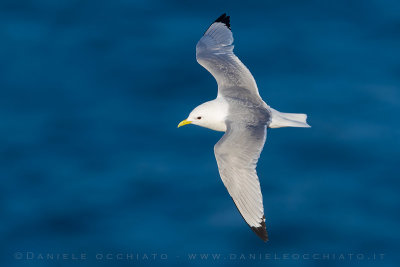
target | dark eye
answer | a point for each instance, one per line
(199, 118)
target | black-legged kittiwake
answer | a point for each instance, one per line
(240, 112)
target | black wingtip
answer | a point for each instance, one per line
(261, 231)
(225, 20)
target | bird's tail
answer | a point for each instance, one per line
(280, 119)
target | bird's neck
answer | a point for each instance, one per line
(218, 110)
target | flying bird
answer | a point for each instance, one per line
(240, 112)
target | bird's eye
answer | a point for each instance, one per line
(199, 118)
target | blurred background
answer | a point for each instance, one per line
(91, 160)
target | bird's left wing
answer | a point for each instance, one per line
(214, 52)
(237, 154)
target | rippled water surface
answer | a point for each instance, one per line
(91, 160)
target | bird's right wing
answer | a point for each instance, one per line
(237, 154)
(214, 52)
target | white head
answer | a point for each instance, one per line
(210, 115)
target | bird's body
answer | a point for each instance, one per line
(240, 112)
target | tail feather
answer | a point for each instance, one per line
(280, 119)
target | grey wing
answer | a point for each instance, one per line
(214, 52)
(237, 154)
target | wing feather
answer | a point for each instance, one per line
(237, 154)
(214, 52)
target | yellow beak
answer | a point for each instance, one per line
(184, 122)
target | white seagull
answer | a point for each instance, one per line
(240, 112)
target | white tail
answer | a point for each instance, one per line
(280, 119)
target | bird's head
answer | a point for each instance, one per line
(209, 115)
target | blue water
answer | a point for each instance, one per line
(91, 161)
